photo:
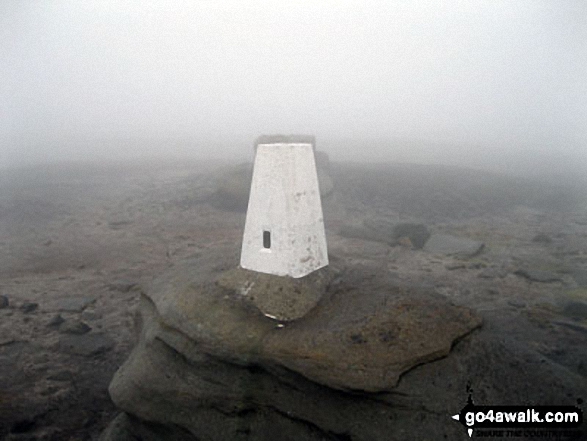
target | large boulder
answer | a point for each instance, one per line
(361, 336)
(208, 347)
(369, 360)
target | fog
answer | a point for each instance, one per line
(491, 84)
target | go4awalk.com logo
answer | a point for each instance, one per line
(521, 421)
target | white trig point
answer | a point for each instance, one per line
(284, 230)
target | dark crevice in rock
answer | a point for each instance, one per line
(327, 435)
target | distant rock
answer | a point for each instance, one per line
(353, 231)
(4, 302)
(85, 345)
(538, 275)
(70, 304)
(27, 307)
(454, 246)
(417, 233)
(76, 327)
(542, 238)
(381, 230)
(575, 310)
(55, 321)
(90, 315)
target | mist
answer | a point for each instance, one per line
(490, 84)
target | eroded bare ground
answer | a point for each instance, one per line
(79, 243)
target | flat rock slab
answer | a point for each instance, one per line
(364, 340)
(70, 304)
(362, 336)
(86, 345)
(454, 246)
(538, 275)
(385, 231)
(281, 298)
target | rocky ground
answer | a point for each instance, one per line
(80, 244)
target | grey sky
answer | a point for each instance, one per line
(497, 76)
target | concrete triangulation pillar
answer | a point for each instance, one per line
(284, 229)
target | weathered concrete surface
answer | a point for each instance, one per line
(232, 186)
(284, 228)
(451, 245)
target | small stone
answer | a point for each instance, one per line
(74, 327)
(29, 307)
(4, 302)
(85, 345)
(55, 321)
